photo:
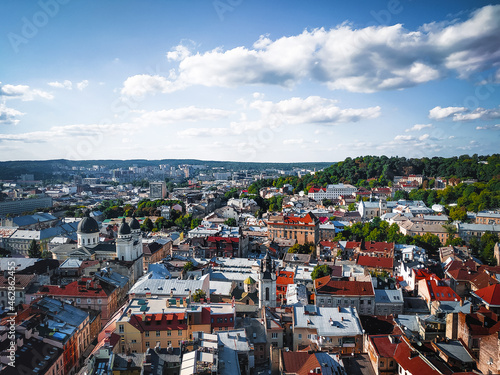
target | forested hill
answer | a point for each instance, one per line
(358, 170)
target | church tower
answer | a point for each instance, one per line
(124, 242)
(135, 229)
(88, 232)
(267, 282)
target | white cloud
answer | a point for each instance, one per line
(439, 113)
(81, 85)
(66, 84)
(314, 109)
(487, 127)
(178, 53)
(464, 114)
(23, 92)
(418, 127)
(359, 60)
(404, 138)
(190, 113)
(294, 111)
(423, 137)
(141, 84)
(8, 115)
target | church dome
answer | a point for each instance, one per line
(249, 281)
(134, 224)
(124, 228)
(88, 225)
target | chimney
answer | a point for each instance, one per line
(168, 302)
(143, 316)
(177, 302)
(461, 302)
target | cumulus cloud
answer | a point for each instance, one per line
(68, 85)
(178, 53)
(418, 127)
(439, 113)
(8, 116)
(359, 60)
(142, 84)
(23, 92)
(464, 114)
(314, 109)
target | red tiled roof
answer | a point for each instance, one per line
(75, 289)
(88, 263)
(413, 364)
(422, 274)
(167, 322)
(330, 244)
(379, 247)
(22, 281)
(284, 277)
(462, 274)
(352, 244)
(490, 294)
(293, 361)
(325, 285)
(482, 280)
(383, 346)
(375, 262)
(316, 190)
(439, 291)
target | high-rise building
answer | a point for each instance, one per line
(157, 190)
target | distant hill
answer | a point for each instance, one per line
(47, 169)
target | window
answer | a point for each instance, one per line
(300, 336)
(169, 333)
(169, 343)
(89, 300)
(78, 300)
(274, 335)
(179, 332)
(231, 319)
(121, 328)
(225, 320)
(134, 341)
(147, 344)
(267, 294)
(146, 333)
(99, 301)
(309, 336)
(157, 333)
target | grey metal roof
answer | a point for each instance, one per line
(236, 340)
(388, 296)
(329, 321)
(455, 350)
(220, 287)
(163, 287)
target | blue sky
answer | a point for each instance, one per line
(248, 80)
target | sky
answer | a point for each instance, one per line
(248, 80)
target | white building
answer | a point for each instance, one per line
(332, 192)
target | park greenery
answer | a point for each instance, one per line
(320, 271)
